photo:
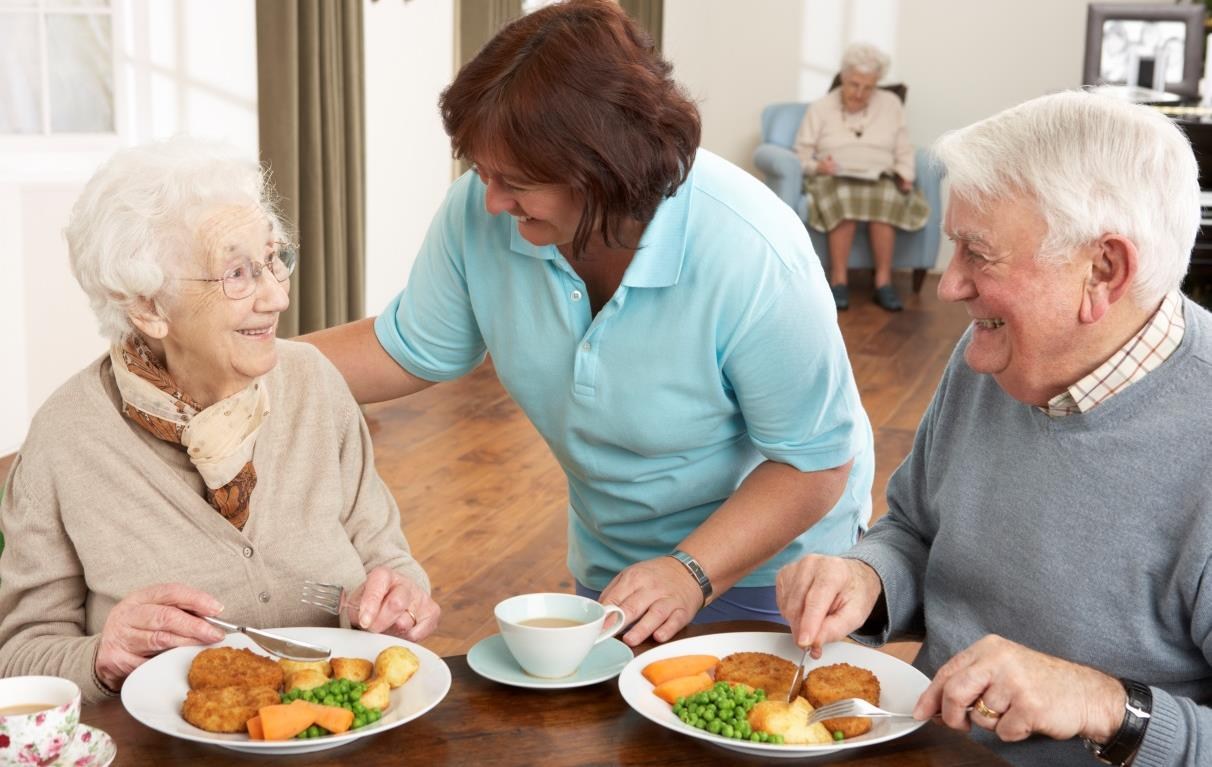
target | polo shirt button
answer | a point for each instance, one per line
(263, 596)
(586, 346)
(248, 552)
(575, 295)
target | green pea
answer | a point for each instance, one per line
(714, 726)
(839, 735)
(754, 737)
(777, 739)
(727, 731)
(708, 715)
(359, 722)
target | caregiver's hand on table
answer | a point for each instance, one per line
(391, 603)
(150, 621)
(658, 595)
(1016, 691)
(824, 599)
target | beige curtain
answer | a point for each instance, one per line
(476, 21)
(310, 107)
(650, 14)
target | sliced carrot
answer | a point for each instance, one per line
(661, 671)
(254, 729)
(682, 686)
(333, 718)
(284, 721)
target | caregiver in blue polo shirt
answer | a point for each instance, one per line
(656, 312)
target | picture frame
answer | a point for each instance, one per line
(1146, 46)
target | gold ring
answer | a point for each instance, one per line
(412, 615)
(980, 708)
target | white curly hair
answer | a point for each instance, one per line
(865, 59)
(134, 225)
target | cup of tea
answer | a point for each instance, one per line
(550, 634)
(38, 718)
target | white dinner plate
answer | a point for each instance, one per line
(900, 687)
(154, 692)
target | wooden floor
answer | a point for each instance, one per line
(483, 501)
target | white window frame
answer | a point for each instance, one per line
(50, 157)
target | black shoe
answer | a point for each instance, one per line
(841, 297)
(886, 298)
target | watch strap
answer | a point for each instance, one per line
(696, 571)
(1126, 741)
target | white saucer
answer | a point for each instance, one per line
(89, 748)
(491, 659)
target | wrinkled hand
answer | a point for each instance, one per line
(148, 622)
(826, 598)
(827, 166)
(659, 595)
(1034, 692)
(904, 185)
(391, 603)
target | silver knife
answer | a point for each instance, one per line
(798, 679)
(275, 644)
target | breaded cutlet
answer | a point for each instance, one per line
(759, 670)
(226, 709)
(231, 667)
(826, 684)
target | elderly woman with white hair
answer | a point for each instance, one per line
(199, 466)
(859, 166)
(1048, 536)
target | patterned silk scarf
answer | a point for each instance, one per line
(219, 439)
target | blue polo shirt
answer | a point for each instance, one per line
(719, 350)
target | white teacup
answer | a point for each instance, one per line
(550, 634)
(44, 713)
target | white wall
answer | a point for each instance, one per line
(183, 66)
(409, 60)
(734, 58)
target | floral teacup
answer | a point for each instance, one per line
(38, 718)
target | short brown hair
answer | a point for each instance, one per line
(576, 94)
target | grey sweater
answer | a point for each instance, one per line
(1085, 537)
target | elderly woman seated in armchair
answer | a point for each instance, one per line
(200, 465)
(859, 166)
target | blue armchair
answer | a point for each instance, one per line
(780, 167)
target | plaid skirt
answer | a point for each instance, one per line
(833, 200)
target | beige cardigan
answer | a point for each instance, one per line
(884, 145)
(96, 508)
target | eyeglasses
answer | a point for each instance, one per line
(241, 281)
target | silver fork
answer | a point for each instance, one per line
(852, 707)
(329, 597)
(859, 707)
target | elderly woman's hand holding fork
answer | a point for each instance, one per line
(387, 602)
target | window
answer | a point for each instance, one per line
(56, 68)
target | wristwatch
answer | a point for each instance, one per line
(1125, 742)
(696, 571)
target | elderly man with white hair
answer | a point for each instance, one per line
(1049, 535)
(200, 465)
(859, 166)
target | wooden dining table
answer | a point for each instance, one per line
(484, 722)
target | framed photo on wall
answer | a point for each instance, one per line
(1151, 46)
